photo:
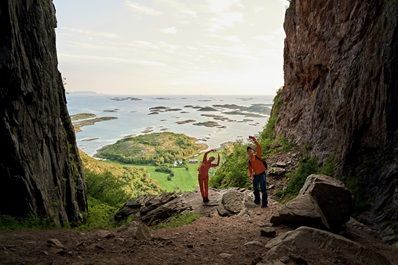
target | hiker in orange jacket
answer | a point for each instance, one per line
(257, 173)
(203, 177)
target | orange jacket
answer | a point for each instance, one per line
(256, 166)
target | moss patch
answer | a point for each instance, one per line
(178, 220)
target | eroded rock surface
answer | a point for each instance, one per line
(341, 94)
(40, 171)
(307, 245)
(322, 202)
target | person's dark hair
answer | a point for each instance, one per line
(249, 148)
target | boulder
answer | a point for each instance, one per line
(277, 172)
(136, 230)
(322, 202)
(302, 210)
(164, 212)
(333, 199)
(307, 245)
(152, 209)
(232, 202)
(280, 164)
(268, 232)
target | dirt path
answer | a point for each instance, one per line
(209, 240)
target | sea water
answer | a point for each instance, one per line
(134, 118)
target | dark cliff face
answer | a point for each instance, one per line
(341, 93)
(40, 171)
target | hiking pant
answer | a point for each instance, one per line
(204, 185)
(259, 181)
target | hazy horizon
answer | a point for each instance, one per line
(171, 47)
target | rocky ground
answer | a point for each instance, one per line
(238, 239)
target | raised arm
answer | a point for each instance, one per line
(218, 161)
(259, 151)
(205, 156)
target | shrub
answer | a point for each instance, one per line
(164, 169)
(10, 223)
(307, 166)
(100, 215)
(233, 170)
(106, 188)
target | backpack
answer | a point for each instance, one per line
(263, 161)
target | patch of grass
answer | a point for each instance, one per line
(184, 179)
(135, 180)
(307, 166)
(106, 188)
(178, 220)
(269, 131)
(9, 223)
(329, 166)
(100, 215)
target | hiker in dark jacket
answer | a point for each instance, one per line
(257, 173)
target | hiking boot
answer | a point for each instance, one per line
(207, 200)
(257, 202)
(264, 206)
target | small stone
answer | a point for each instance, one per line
(280, 164)
(99, 247)
(105, 234)
(61, 252)
(80, 244)
(268, 232)
(53, 242)
(254, 243)
(284, 259)
(225, 255)
(44, 253)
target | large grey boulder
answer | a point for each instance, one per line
(303, 210)
(322, 202)
(232, 202)
(307, 245)
(333, 198)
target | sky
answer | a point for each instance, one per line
(224, 47)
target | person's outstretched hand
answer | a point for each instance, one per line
(252, 138)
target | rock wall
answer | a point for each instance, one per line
(40, 170)
(341, 93)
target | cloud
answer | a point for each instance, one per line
(225, 20)
(232, 38)
(218, 6)
(88, 33)
(142, 9)
(108, 59)
(170, 30)
(285, 3)
(189, 13)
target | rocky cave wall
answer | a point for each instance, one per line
(40, 169)
(341, 94)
